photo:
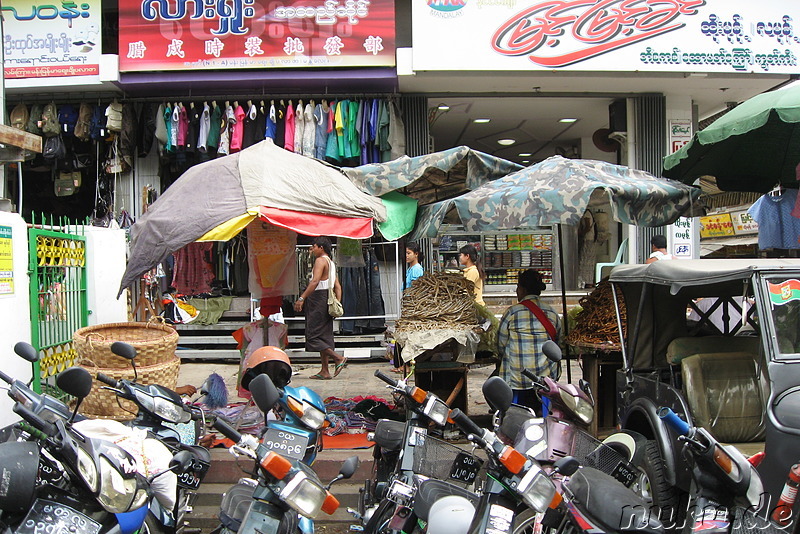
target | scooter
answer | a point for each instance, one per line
(563, 432)
(159, 411)
(404, 455)
(286, 495)
(64, 481)
(723, 480)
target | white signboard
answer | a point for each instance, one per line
(683, 238)
(680, 133)
(607, 35)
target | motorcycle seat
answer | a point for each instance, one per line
(611, 504)
(431, 490)
(389, 434)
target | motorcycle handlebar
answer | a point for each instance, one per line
(672, 420)
(36, 421)
(386, 378)
(107, 380)
(465, 423)
(5, 378)
(530, 374)
(227, 430)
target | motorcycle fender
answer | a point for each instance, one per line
(261, 517)
(628, 440)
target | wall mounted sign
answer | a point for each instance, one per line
(719, 225)
(606, 35)
(255, 34)
(743, 223)
(49, 40)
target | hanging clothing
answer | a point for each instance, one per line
(205, 127)
(193, 131)
(193, 272)
(340, 115)
(320, 130)
(269, 130)
(280, 124)
(299, 128)
(777, 228)
(183, 125)
(352, 124)
(372, 146)
(309, 131)
(332, 146)
(237, 129)
(215, 128)
(147, 129)
(174, 126)
(289, 131)
(383, 131)
(161, 127)
(397, 132)
(168, 144)
(238, 271)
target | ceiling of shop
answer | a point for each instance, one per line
(527, 108)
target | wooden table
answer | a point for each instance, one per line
(600, 365)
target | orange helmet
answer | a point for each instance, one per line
(270, 360)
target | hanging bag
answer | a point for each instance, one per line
(335, 308)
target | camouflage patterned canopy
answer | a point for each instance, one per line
(459, 167)
(558, 191)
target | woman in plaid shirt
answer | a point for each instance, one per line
(521, 336)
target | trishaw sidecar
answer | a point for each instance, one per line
(718, 341)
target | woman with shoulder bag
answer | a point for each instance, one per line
(315, 299)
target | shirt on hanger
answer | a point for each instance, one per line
(320, 130)
(777, 228)
(288, 142)
(352, 123)
(194, 128)
(299, 127)
(214, 127)
(280, 124)
(161, 126)
(168, 145)
(310, 131)
(237, 129)
(271, 123)
(205, 126)
(332, 146)
(183, 125)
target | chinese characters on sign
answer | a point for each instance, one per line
(47, 40)
(212, 34)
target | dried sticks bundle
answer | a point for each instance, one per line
(597, 323)
(438, 300)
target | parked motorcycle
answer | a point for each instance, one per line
(159, 411)
(564, 431)
(286, 495)
(64, 481)
(404, 455)
(724, 482)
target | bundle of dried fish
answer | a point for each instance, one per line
(597, 323)
(438, 300)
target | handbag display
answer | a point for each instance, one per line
(335, 308)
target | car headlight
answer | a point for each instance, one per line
(582, 408)
(311, 416)
(304, 495)
(87, 469)
(116, 492)
(536, 489)
(436, 410)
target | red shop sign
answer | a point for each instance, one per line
(239, 34)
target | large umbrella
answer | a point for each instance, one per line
(753, 147)
(217, 199)
(557, 191)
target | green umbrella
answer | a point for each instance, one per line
(753, 147)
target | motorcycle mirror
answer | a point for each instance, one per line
(552, 351)
(75, 381)
(26, 352)
(566, 466)
(349, 468)
(181, 462)
(124, 350)
(264, 392)
(497, 393)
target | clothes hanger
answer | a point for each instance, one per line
(777, 190)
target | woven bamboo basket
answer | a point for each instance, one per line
(104, 404)
(154, 343)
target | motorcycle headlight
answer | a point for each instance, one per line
(436, 410)
(145, 401)
(536, 489)
(116, 492)
(582, 408)
(304, 495)
(311, 416)
(171, 412)
(87, 469)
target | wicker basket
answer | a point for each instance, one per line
(154, 343)
(104, 404)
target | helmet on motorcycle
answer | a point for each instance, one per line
(267, 360)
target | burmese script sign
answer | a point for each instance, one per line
(237, 34)
(607, 35)
(47, 40)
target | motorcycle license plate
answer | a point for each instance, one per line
(465, 468)
(285, 443)
(189, 480)
(56, 518)
(624, 474)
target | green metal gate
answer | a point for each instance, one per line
(57, 268)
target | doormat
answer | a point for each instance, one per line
(346, 441)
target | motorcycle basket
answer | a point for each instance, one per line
(434, 458)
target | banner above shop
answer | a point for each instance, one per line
(606, 35)
(173, 35)
(52, 40)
